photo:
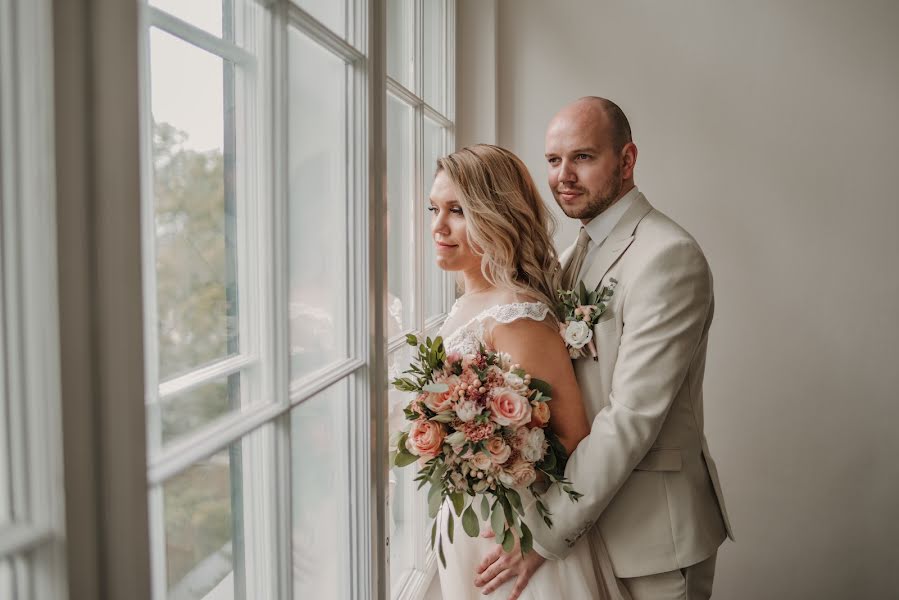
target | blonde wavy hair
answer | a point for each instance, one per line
(507, 222)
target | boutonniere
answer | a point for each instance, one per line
(580, 311)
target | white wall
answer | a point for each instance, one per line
(770, 130)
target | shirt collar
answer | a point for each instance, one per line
(602, 224)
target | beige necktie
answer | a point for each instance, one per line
(575, 261)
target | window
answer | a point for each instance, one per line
(256, 266)
(253, 262)
(31, 505)
(419, 131)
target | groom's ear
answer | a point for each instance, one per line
(628, 160)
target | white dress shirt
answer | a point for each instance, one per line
(602, 225)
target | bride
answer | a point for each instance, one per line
(490, 225)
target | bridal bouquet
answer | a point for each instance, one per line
(478, 425)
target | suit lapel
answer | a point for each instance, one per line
(618, 241)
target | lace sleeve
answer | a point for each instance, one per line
(502, 314)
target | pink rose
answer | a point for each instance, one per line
(425, 438)
(539, 414)
(499, 450)
(443, 401)
(518, 475)
(508, 408)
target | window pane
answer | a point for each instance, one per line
(435, 278)
(330, 12)
(321, 503)
(400, 32)
(205, 14)
(194, 206)
(204, 529)
(319, 274)
(400, 235)
(188, 411)
(434, 53)
(401, 492)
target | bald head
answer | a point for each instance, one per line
(600, 115)
(590, 157)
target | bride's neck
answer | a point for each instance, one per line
(474, 281)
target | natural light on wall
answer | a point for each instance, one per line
(256, 262)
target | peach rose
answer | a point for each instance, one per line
(481, 461)
(425, 438)
(499, 450)
(539, 414)
(518, 475)
(443, 401)
(509, 408)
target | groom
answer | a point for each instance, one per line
(649, 483)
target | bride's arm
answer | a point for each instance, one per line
(540, 351)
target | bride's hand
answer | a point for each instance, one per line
(499, 567)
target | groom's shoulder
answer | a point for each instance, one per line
(658, 239)
(658, 230)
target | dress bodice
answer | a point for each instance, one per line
(468, 337)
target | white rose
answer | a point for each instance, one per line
(467, 410)
(533, 448)
(577, 334)
(456, 438)
(516, 383)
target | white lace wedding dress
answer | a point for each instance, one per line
(578, 576)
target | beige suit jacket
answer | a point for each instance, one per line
(649, 483)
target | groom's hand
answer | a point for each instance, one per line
(499, 567)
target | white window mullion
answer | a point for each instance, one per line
(451, 63)
(422, 236)
(200, 38)
(277, 173)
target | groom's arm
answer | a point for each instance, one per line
(665, 311)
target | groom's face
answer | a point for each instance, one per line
(585, 170)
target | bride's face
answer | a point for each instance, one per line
(453, 250)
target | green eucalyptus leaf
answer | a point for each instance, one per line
(507, 510)
(497, 521)
(527, 539)
(433, 533)
(450, 527)
(435, 498)
(485, 508)
(435, 388)
(458, 500)
(508, 541)
(404, 459)
(440, 553)
(411, 340)
(541, 386)
(582, 292)
(470, 522)
(515, 500)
